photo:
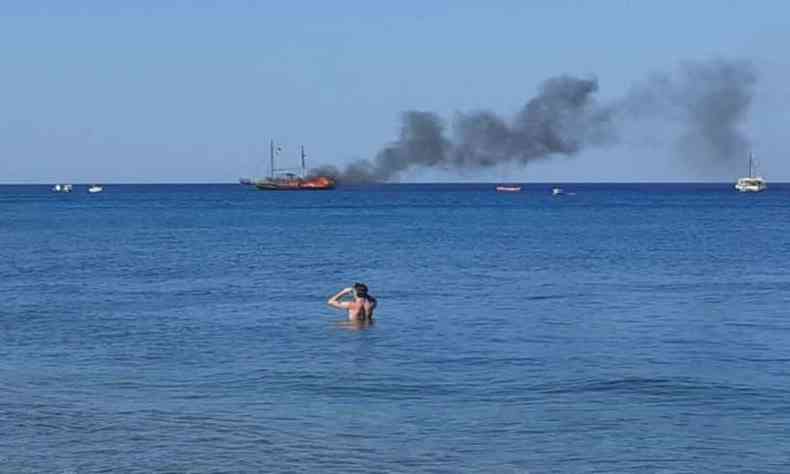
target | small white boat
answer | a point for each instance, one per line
(508, 189)
(557, 191)
(751, 183)
(95, 188)
(62, 188)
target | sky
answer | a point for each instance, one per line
(192, 91)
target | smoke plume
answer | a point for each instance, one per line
(706, 100)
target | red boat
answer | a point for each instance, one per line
(295, 183)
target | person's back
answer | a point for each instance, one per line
(361, 308)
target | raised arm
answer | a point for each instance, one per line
(335, 300)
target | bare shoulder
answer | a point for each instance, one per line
(339, 304)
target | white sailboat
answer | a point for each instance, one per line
(751, 183)
(62, 188)
(95, 188)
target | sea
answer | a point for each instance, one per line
(618, 328)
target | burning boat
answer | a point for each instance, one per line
(287, 179)
(292, 182)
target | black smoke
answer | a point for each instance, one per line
(708, 100)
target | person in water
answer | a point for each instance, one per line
(360, 309)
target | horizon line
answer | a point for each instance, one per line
(193, 183)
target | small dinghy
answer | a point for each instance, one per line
(508, 189)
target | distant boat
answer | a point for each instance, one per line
(508, 189)
(292, 182)
(284, 179)
(557, 192)
(62, 188)
(751, 183)
(95, 188)
(246, 182)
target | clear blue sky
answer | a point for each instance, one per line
(192, 91)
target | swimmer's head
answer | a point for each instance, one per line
(361, 290)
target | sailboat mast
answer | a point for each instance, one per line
(304, 169)
(750, 164)
(271, 159)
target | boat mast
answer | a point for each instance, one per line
(750, 164)
(271, 159)
(304, 169)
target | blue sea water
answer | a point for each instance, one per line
(183, 329)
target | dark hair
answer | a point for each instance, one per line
(361, 290)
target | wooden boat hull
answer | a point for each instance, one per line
(322, 183)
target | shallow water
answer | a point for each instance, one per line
(627, 328)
